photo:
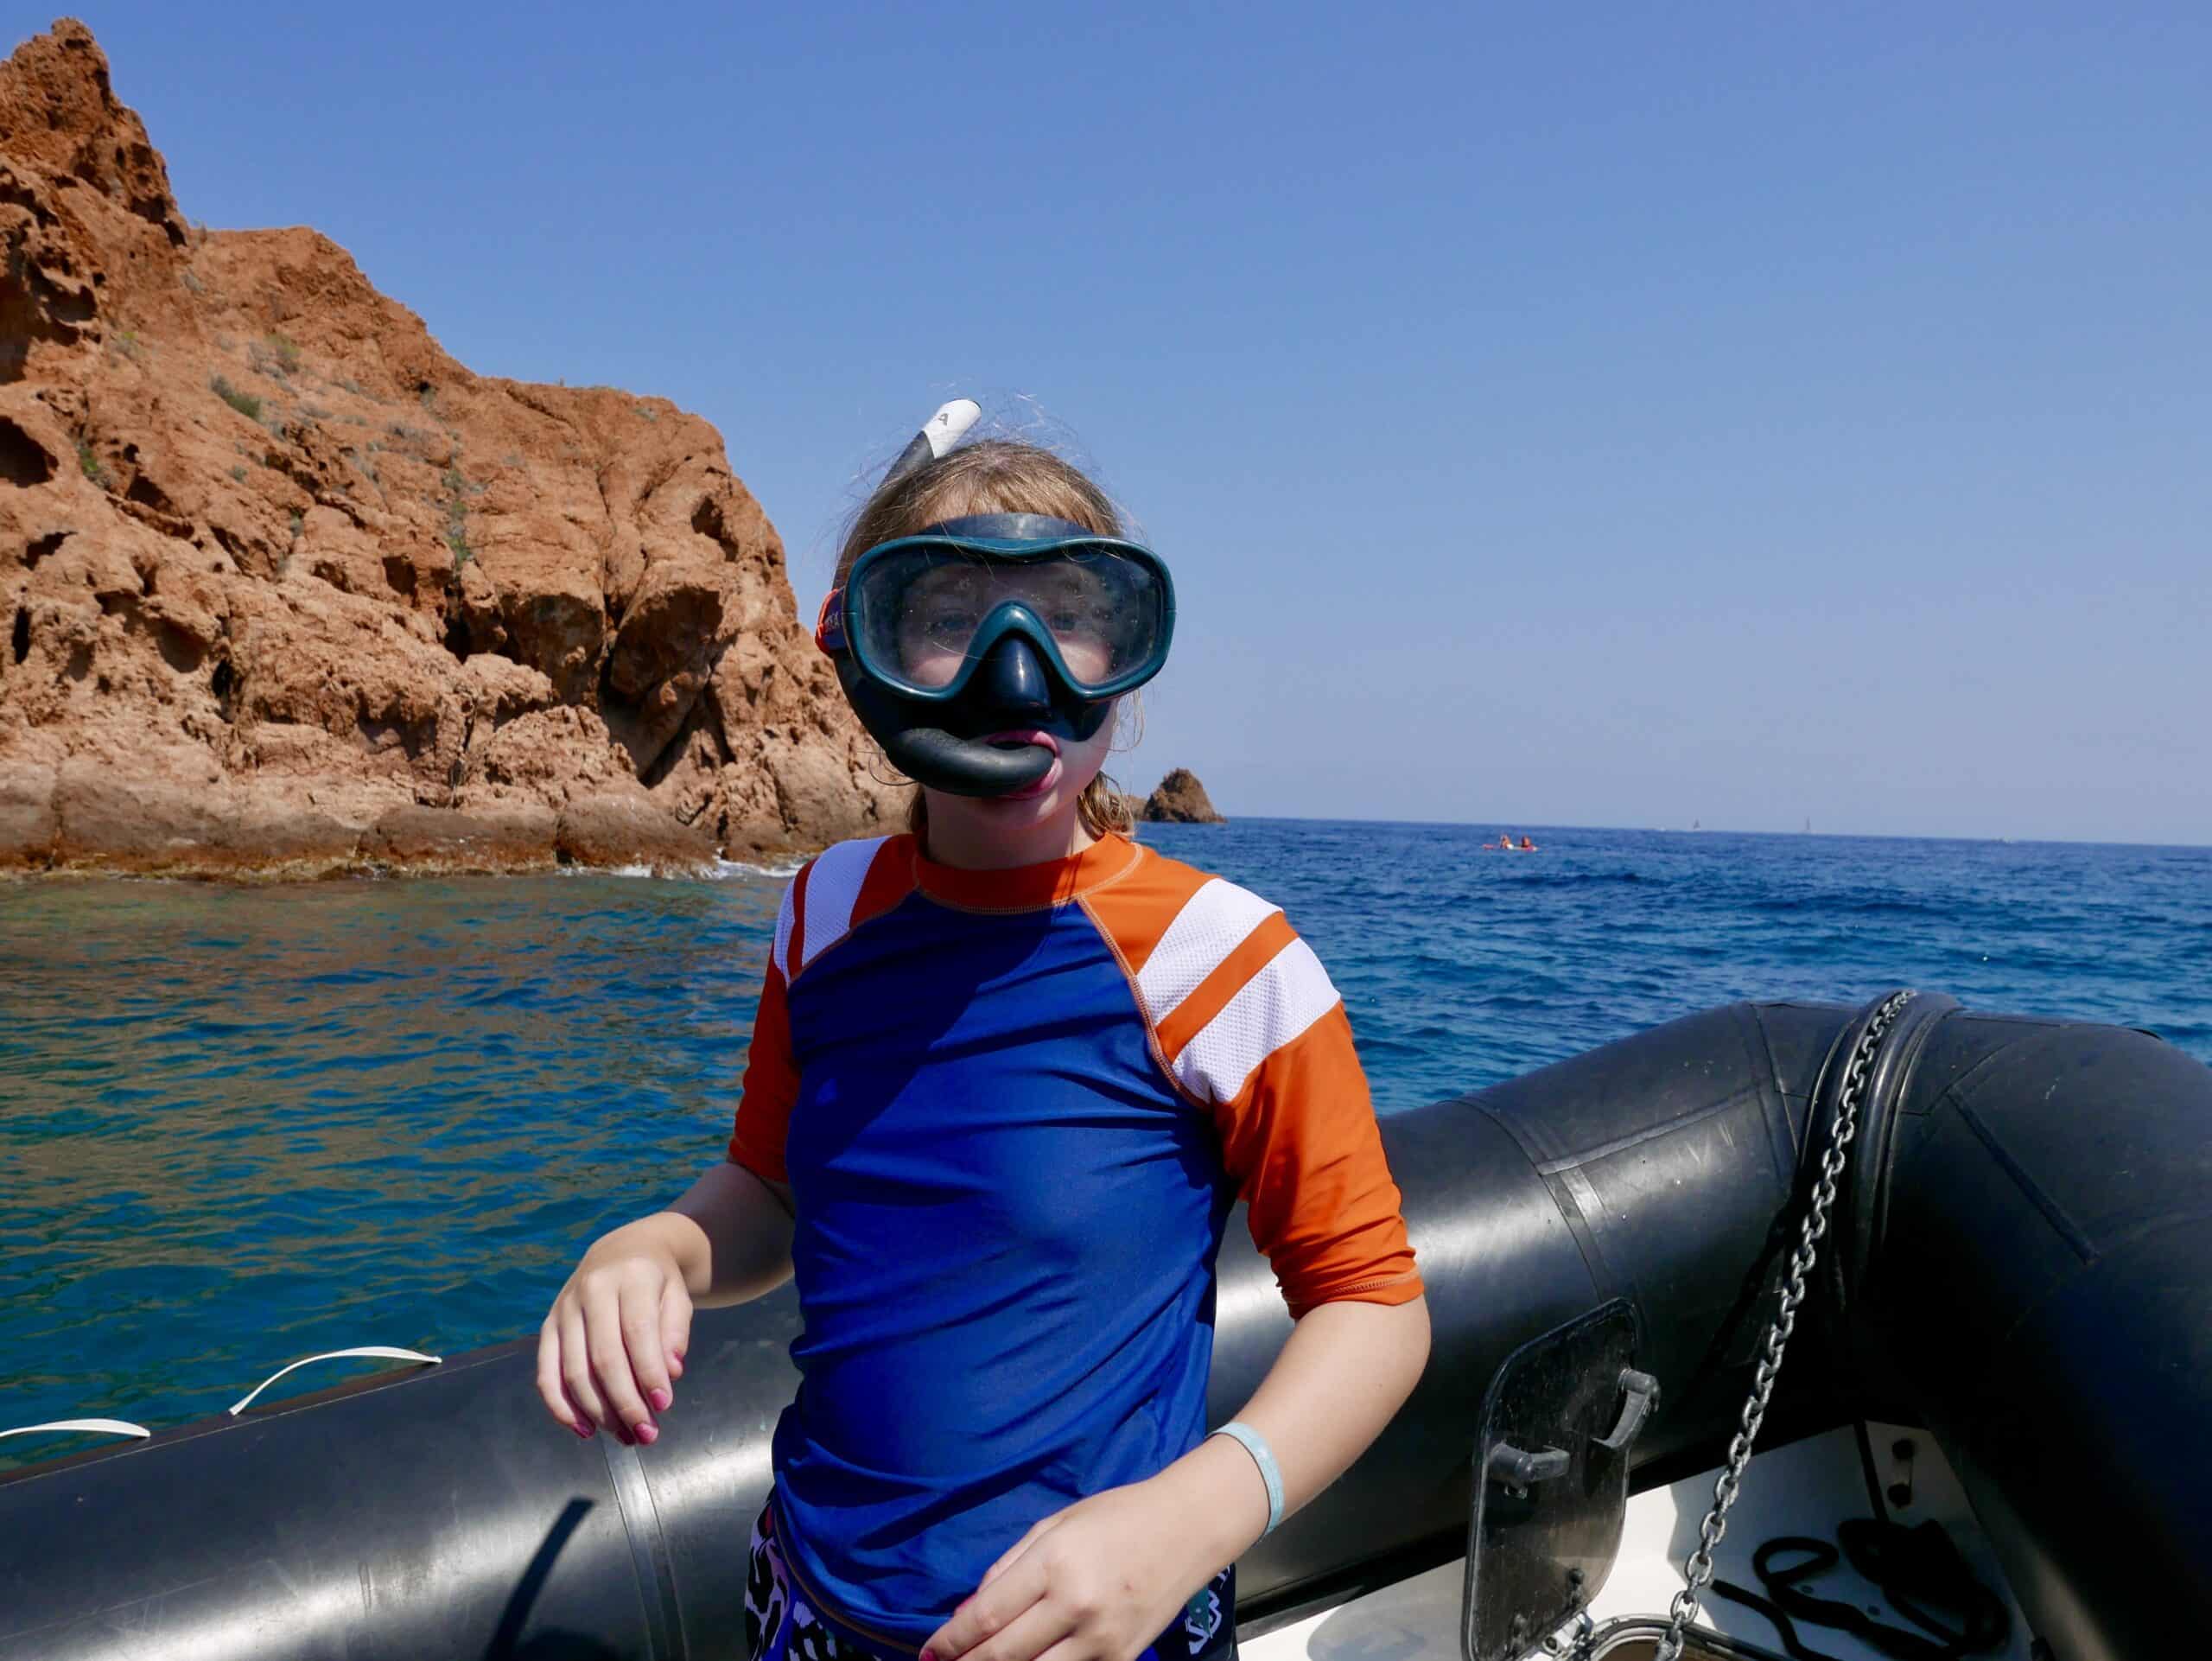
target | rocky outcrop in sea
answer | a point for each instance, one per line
(1181, 799)
(286, 588)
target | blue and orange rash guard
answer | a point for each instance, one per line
(1015, 1109)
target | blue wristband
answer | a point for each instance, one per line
(1256, 1445)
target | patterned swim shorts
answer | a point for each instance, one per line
(780, 1626)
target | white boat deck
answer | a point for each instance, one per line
(1804, 1489)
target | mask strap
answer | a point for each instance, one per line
(829, 625)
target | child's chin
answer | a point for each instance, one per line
(1026, 810)
(1054, 793)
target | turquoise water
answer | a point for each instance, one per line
(240, 1125)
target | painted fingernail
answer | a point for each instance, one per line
(649, 1433)
(929, 1655)
(581, 1430)
(660, 1399)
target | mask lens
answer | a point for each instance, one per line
(923, 610)
(1100, 607)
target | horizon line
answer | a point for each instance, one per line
(1711, 830)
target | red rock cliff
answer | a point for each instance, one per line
(286, 586)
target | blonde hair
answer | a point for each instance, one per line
(994, 476)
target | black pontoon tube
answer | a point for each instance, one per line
(2028, 1262)
(2023, 1270)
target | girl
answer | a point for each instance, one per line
(1008, 1074)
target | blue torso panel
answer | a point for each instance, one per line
(1007, 1223)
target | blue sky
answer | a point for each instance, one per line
(1553, 415)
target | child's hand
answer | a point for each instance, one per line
(1104, 1578)
(613, 1342)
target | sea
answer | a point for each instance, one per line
(243, 1125)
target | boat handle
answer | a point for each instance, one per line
(1643, 1396)
(1517, 1469)
(103, 1427)
(382, 1351)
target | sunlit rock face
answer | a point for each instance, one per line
(1181, 799)
(284, 588)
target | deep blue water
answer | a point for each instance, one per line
(239, 1125)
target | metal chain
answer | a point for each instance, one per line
(1699, 1570)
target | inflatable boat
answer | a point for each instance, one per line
(1992, 1433)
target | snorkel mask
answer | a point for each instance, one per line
(991, 625)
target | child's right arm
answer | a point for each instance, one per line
(612, 1347)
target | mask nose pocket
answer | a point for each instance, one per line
(1012, 678)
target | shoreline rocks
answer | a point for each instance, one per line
(286, 590)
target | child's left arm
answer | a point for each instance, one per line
(1102, 1579)
(1099, 1580)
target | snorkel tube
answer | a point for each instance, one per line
(938, 433)
(1008, 691)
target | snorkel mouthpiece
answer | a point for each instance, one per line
(929, 755)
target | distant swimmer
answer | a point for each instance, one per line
(1527, 845)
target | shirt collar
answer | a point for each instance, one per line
(1027, 887)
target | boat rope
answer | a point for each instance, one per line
(124, 1428)
(100, 1427)
(1698, 1570)
(382, 1351)
(1911, 1567)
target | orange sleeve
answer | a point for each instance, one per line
(1301, 1142)
(1250, 1027)
(770, 1085)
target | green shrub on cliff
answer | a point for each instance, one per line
(244, 403)
(457, 506)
